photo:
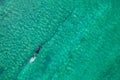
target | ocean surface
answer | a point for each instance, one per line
(59, 40)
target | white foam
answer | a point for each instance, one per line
(32, 59)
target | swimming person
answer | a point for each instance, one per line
(35, 54)
(37, 50)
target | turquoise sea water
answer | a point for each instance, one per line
(79, 39)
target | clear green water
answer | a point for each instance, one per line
(80, 39)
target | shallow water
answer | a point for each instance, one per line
(80, 39)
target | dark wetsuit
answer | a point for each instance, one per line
(37, 50)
